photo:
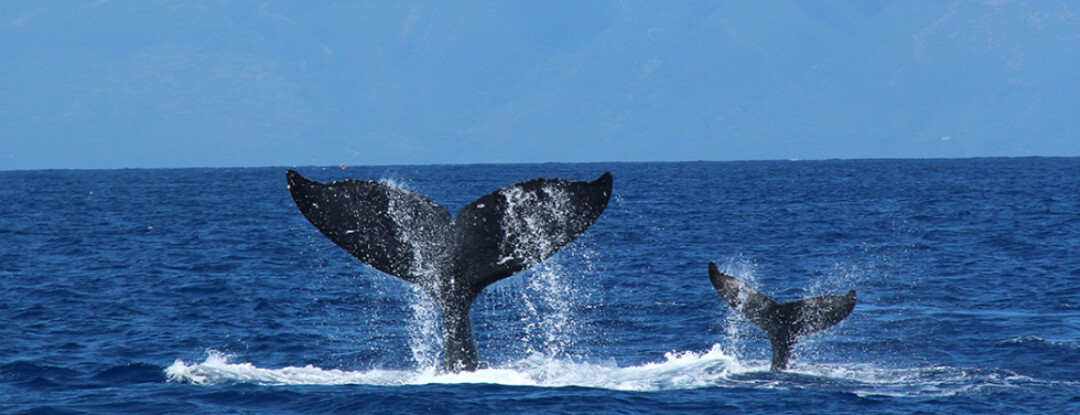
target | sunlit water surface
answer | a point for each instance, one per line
(206, 291)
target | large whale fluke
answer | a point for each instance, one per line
(784, 323)
(407, 235)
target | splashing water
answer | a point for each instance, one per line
(678, 371)
(527, 222)
(555, 295)
(550, 295)
(425, 339)
(738, 331)
(551, 299)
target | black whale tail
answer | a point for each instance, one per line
(407, 235)
(784, 323)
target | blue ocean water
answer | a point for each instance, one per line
(206, 291)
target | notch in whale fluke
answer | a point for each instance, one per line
(784, 323)
(407, 235)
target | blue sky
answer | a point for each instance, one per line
(170, 83)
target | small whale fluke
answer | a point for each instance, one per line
(407, 235)
(784, 323)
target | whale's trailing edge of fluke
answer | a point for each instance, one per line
(407, 235)
(784, 323)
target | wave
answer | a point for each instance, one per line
(678, 371)
(1065, 344)
(536, 370)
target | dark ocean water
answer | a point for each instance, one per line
(206, 291)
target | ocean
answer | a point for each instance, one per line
(207, 291)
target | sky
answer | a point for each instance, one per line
(187, 83)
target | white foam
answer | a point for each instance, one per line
(678, 371)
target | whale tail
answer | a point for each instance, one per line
(784, 323)
(407, 235)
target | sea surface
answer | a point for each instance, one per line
(193, 291)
